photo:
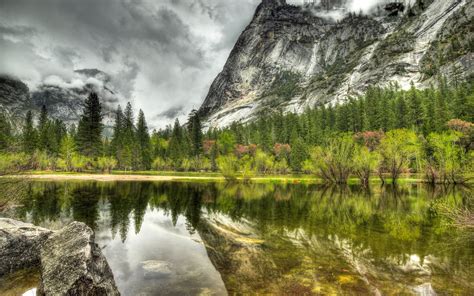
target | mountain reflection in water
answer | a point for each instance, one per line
(216, 238)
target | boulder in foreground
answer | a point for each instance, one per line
(73, 264)
(20, 245)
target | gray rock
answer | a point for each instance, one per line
(20, 245)
(72, 264)
(292, 57)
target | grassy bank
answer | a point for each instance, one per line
(194, 177)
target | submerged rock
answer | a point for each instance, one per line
(153, 269)
(72, 264)
(20, 245)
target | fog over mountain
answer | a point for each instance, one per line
(161, 55)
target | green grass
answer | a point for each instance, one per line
(217, 177)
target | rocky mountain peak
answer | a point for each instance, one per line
(292, 57)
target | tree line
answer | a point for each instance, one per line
(387, 132)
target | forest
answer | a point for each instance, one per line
(386, 133)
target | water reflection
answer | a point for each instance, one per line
(177, 238)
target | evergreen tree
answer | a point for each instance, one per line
(298, 154)
(130, 153)
(416, 109)
(89, 131)
(195, 132)
(29, 135)
(177, 145)
(143, 138)
(43, 129)
(116, 145)
(5, 133)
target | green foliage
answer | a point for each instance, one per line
(81, 163)
(144, 144)
(29, 136)
(161, 164)
(298, 155)
(247, 167)
(106, 164)
(335, 162)
(5, 133)
(448, 161)
(263, 162)
(13, 162)
(365, 162)
(399, 148)
(89, 131)
(195, 132)
(228, 166)
(67, 152)
(226, 142)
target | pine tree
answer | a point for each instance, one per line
(29, 135)
(43, 129)
(195, 132)
(5, 133)
(89, 131)
(116, 145)
(143, 138)
(130, 153)
(298, 154)
(176, 145)
(416, 109)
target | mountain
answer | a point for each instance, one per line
(14, 96)
(291, 57)
(64, 98)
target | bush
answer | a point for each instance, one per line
(185, 165)
(13, 162)
(281, 166)
(448, 161)
(161, 164)
(263, 162)
(42, 161)
(335, 162)
(200, 164)
(247, 167)
(398, 148)
(228, 166)
(80, 162)
(365, 162)
(106, 164)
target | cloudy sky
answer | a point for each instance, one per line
(163, 54)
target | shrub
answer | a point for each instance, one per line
(13, 162)
(448, 161)
(228, 166)
(398, 148)
(247, 167)
(365, 162)
(80, 162)
(334, 163)
(263, 162)
(161, 164)
(106, 164)
(281, 166)
(185, 165)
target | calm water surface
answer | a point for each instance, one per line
(218, 239)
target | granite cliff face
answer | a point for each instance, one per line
(292, 57)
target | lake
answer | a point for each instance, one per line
(179, 238)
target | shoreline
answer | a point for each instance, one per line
(122, 177)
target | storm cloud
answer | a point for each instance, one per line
(162, 55)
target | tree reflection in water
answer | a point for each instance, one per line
(385, 225)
